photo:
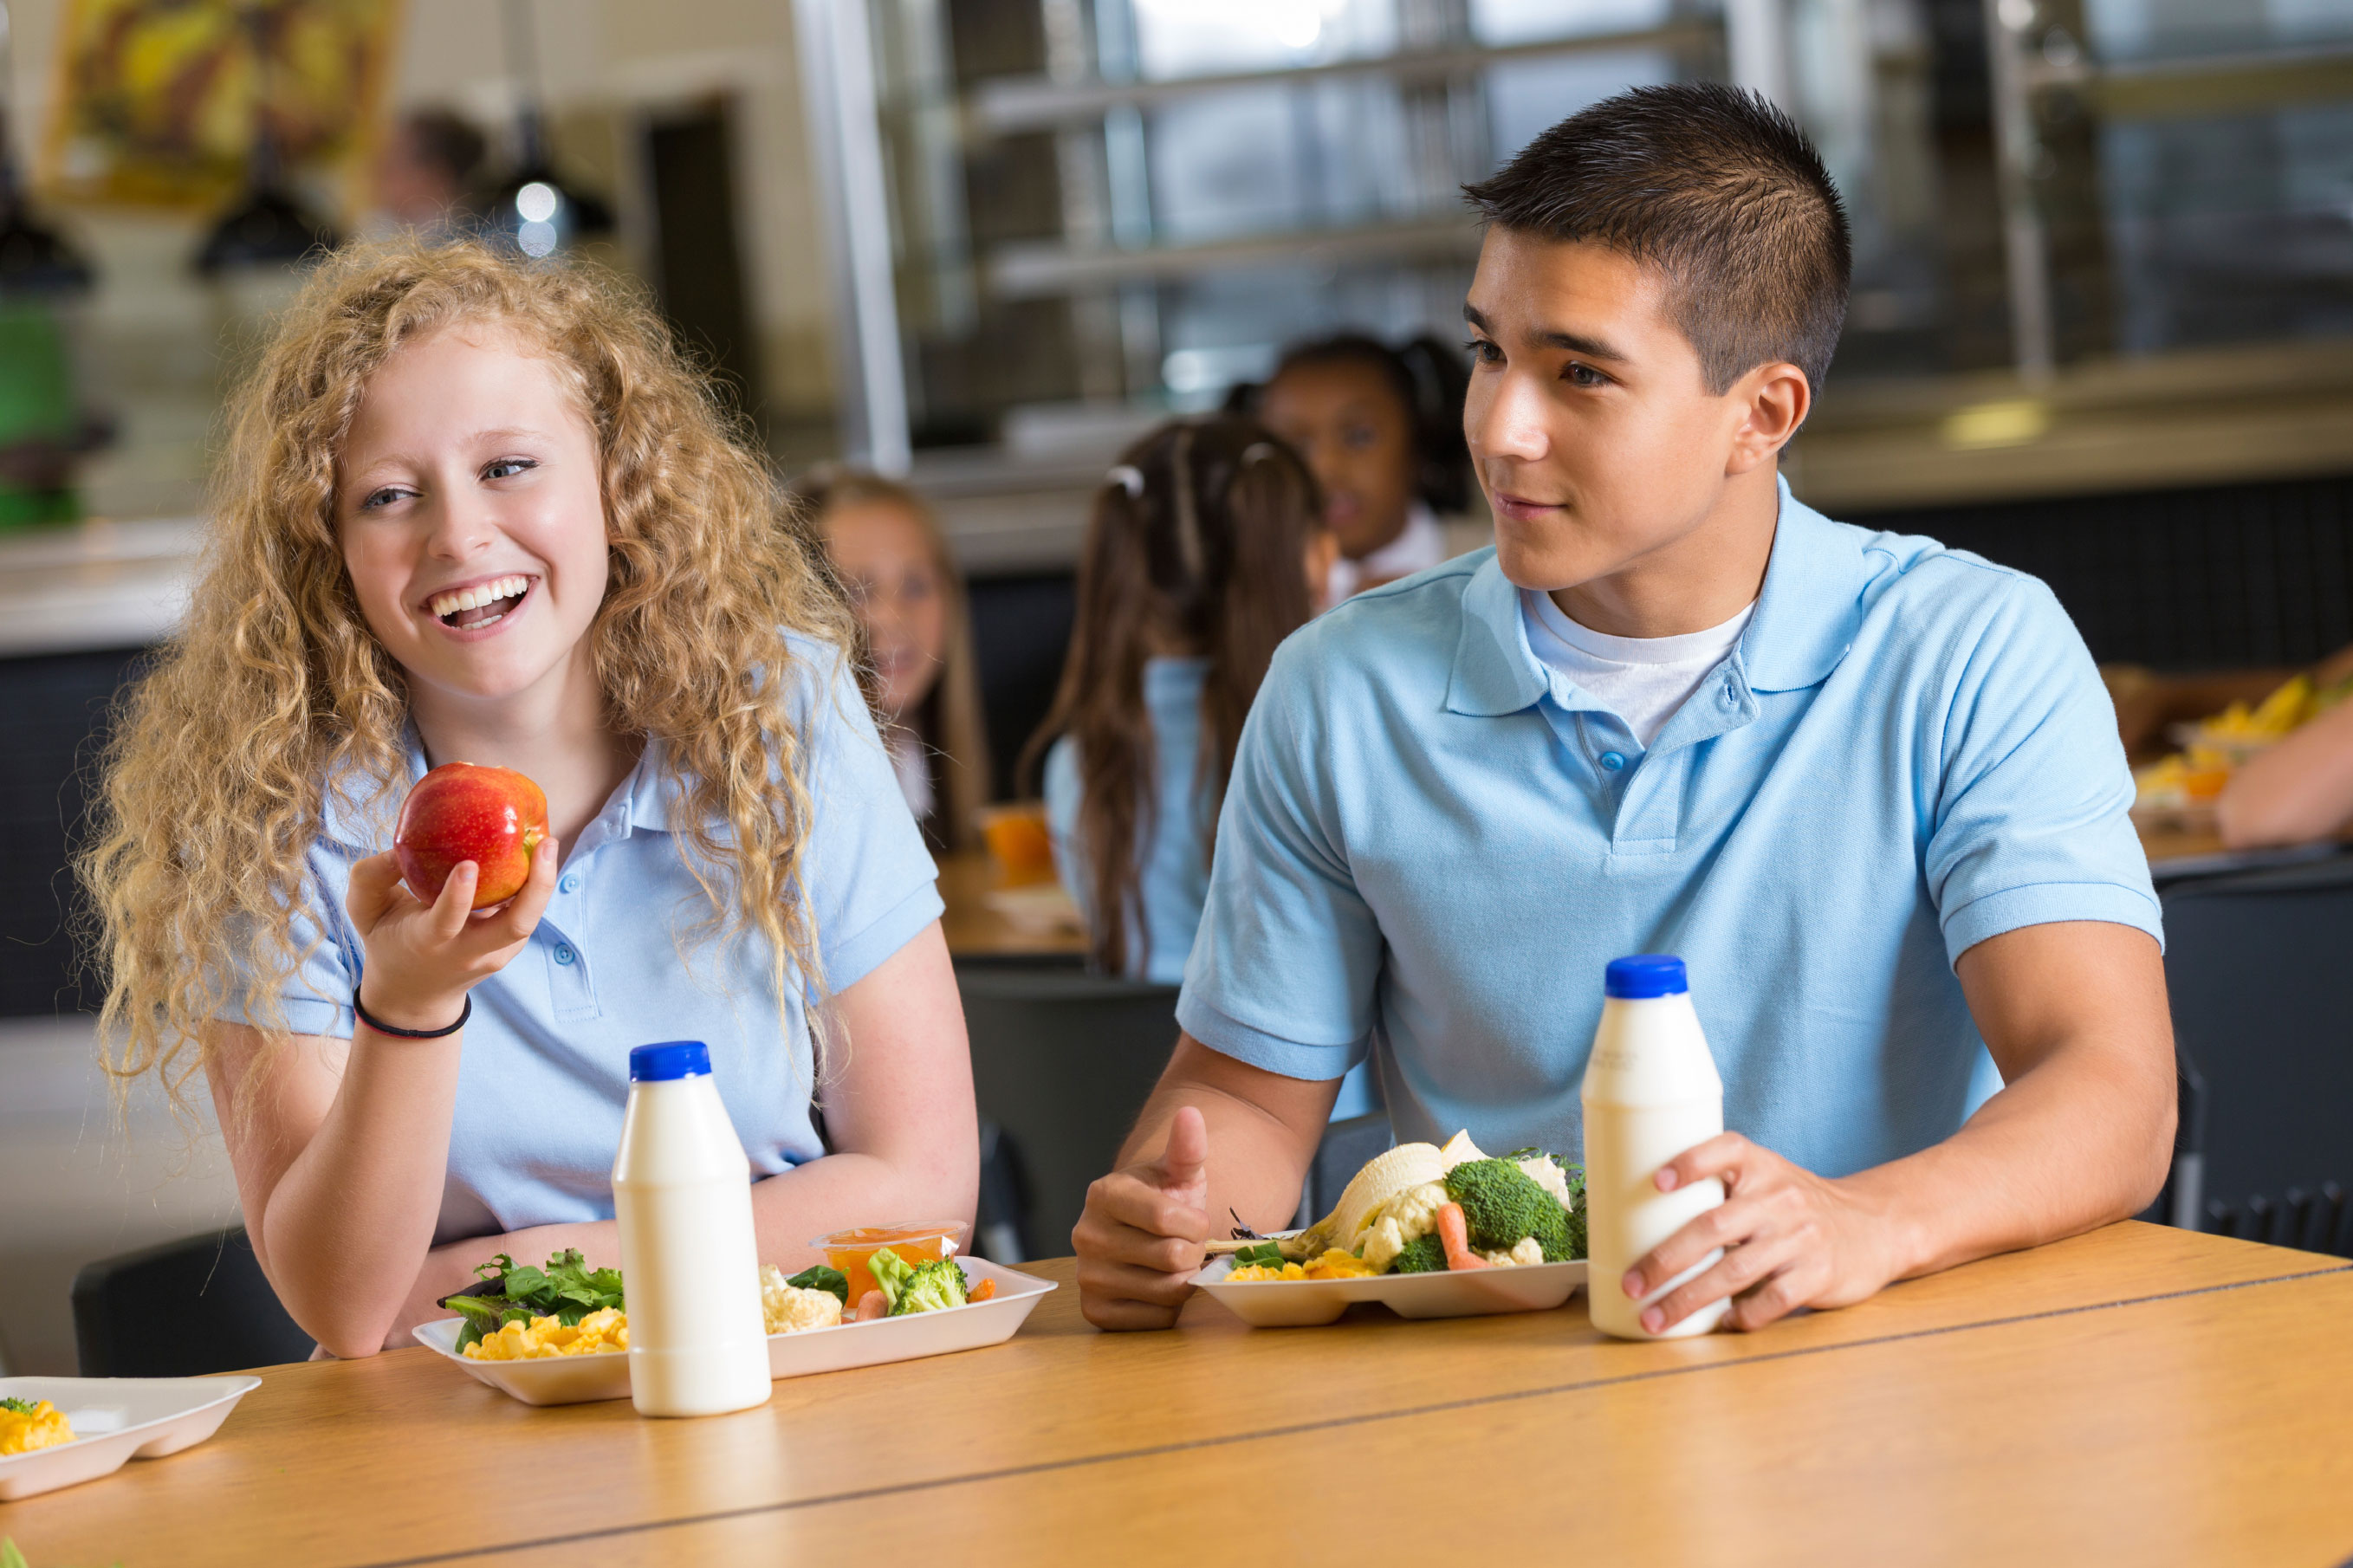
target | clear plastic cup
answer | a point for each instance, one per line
(914, 1241)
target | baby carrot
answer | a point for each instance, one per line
(1454, 1236)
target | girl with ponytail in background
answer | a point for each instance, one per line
(1206, 548)
(1381, 428)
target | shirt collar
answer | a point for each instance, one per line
(362, 812)
(1811, 604)
(1806, 616)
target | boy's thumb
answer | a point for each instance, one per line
(1188, 1148)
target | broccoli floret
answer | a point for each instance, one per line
(1573, 1243)
(1501, 1205)
(1423, 1255)
(931, 1285)
(891, 1274)
(1561, 1234)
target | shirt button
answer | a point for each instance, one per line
(571, 884)
(1613, 761)
(564, 953)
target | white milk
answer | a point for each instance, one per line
(690, 1262)
(1651, 1092)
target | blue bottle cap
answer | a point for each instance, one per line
(669, 1059)
(1644, 975)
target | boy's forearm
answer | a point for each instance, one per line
(2078, 1142)
(1257, 1154)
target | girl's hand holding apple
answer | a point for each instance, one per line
(423, 958)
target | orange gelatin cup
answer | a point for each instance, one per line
(1018, 841)
(848, 1250)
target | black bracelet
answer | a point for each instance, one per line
(463, 1014)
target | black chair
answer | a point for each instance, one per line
(181, 1309)
(1347, 1147)
(2260, 967)
(1000, 1222)
(1062, 1062)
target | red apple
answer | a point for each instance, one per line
(492, 816)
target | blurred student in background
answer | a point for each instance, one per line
(2300, 789)
(425, 174)
(891, 556)
(1208, 547)
(1382, 430)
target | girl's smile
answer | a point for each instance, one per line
(473, 610)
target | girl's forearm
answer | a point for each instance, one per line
(850, 1189)
(347, 1225)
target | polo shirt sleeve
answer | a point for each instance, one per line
(2030, 822)
(869, 879)
(1286, 963)
(316, 998)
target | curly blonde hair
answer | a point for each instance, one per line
(275, 689)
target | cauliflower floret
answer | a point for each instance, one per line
(789, 1308)
(1404, 1217)
(1528, 1252)
(1550, 1177)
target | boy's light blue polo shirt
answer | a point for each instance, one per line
(1433, 846)
(617, 961)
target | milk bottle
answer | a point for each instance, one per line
(1651, 1092)
(690, 1262)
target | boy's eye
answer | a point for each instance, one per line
(508, 468)
(1358, 437)
(1481, 349)
(1585, 375)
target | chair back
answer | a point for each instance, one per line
(1347, 1147)
(2259, 965)
(182, 1309)
(1062, 1062)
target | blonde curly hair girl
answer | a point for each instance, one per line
(216, 774)
(406, 557)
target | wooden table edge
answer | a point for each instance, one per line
(2329, 1266)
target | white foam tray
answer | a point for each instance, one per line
(116, 1420)
(1309, 1303)
(576, 1380)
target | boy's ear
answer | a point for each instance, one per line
(1774, 400)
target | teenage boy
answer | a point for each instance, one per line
(1869, 788)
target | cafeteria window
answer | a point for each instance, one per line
(1099, 212)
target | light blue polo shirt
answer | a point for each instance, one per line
(616, 962)
(1425, 857)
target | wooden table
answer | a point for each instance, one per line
(2139, 1396)
(974, 930)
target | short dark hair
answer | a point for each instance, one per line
(1719, 190)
